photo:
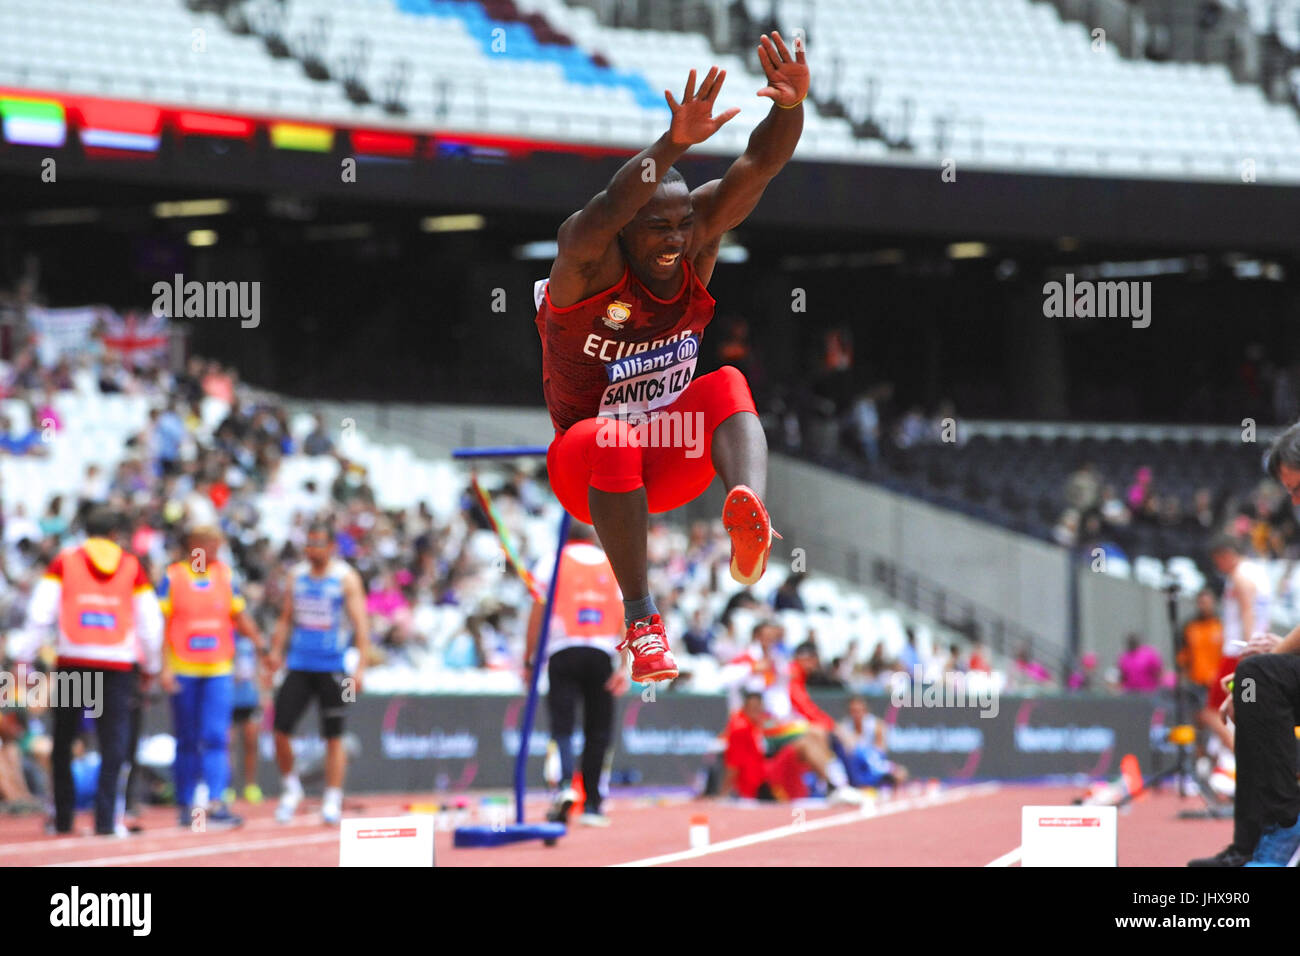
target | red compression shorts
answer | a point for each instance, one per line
(675, 468)
(1217, 694)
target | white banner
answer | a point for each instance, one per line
(64, 333)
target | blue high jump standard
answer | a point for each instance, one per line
(519, 831)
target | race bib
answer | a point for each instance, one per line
(649, 380)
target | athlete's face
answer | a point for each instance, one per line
(1224, 560)
(657, 239)
(319, 549)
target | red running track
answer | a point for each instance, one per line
(970, 825)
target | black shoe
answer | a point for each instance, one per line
(564, 801)
(1228, 856)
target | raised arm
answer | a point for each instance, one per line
(723, 204)
(588, 259)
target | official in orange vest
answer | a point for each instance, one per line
(98, 603)
(203, 607)
(586, 629)
(1200, 655)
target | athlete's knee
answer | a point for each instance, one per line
(732, 388)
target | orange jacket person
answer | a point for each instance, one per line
(203, 608)
(98, 600)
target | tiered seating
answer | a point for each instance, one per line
(1003, 83)
(1010, 84)
(146, 49)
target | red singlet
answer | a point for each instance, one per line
(625, 353)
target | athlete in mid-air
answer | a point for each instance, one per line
(621, 317)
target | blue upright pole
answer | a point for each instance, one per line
(526, 732)
(517, 451)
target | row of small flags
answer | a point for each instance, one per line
(124, 128)
(129, 127)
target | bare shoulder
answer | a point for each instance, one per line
(579, 272)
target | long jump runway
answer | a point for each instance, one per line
(966, 825)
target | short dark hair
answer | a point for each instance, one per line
(1224, 542)
(807, 647)
(321, 526)
(672, 176)
(1285, 450)
(102, 522)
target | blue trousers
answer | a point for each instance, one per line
(201, 723)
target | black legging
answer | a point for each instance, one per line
(581, 672)
(1265, 745)
(113, 731)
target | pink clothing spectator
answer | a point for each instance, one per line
(1140, 489)
(1140, 669)
(386, 603)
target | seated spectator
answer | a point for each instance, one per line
(1140, 490)
(766, 760)
(1114, 512)
(318, 441)
(863, 737)
(20, 442)
(1140, 666)
(1083, 488)
(789, 715)
(979, 660)
(1083, 676)
(809, 663)
(698, 638)
(1029, 670)
(787, 596)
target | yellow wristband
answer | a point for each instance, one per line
(793, 105)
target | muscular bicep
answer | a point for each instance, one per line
(723, 204)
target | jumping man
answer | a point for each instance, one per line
(621, 317)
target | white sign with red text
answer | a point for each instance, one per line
(386, 841)
(1068, 836)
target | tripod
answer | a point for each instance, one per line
(1183, 735)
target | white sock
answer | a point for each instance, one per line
(290, 785)
(836, 776)
(333, 796)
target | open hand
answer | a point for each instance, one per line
(787, 76)
(693, 119)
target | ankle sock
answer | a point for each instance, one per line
(639, 610)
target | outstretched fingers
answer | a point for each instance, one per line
(714, 89)
(781, 47)
(690, 88)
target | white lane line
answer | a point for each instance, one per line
(309, 819)
(1006, 859)
(214, 849)
(867, 812)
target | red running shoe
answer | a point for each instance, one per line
(746, 520)
(651, 659)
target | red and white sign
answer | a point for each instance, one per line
(386, 841)
(1069, 836)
